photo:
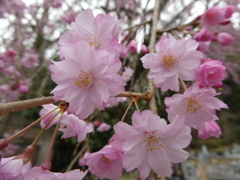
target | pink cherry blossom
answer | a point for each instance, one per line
(203, 35)
(46, 109)
(203, 46)
(132, 46)
(173, 59)
(197, 105)
(152, 144)
(211, 73)
(9, 56)
(228, 11)
(54, 3)
(82, 160)
(39, 173)
(96, 31)
(16, 166)
(75, 127)
(105, 163)
(17, 7)
(103, 127)
(30, 60)
(69, 17)
(212, 16)
(210, 129)
(86, 80)
(114, 101)
(127, 74)
(11, 71)
(144, 49)
(4, 7)
(75, 174)
(225, 39)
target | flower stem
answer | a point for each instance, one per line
(127, 110)
(29, 126)
(47, 158)
(43, 129)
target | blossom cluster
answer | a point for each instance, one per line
(87, 76)
(207, 33)
(87, 79)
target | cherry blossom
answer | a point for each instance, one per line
(82, 160)
(39, 173)
(96, 31)
(30, 60)
(197, 105)
(132, 46)
(210, 129)
(75, 127)
(103, 127)
(224, 39)
(211, 73)
(16, 166)
(173, 59)
(152, 144)
(105, 163)
(46, 109)
(212, 16)
(86, 80)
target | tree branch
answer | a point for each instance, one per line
(11, 107)
(151, 87)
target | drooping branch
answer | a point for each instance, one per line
(11, 107)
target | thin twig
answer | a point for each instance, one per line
(76, 158)
(140, 24)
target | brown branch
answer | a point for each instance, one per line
(193, 23)
(151, 87)
(144, 96)
(11, 107)
(140, 24)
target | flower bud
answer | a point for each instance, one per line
(224, 39)
(3, 143)
(46, 165)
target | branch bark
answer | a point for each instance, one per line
(11, 107)
(151, 87)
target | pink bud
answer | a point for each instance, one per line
(3, 143)
(46, 165)
(228, 11)
(224, 39)
(212, 16)
(211, 129)
(23, 88)
(144, 49)
(132, 46)
(189, 28)
(225, 22)
(203, 35)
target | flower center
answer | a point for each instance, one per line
(152, 142)
(92, 41)
(84, 80)
(106, 160)
(169, 61)
(193, 105)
